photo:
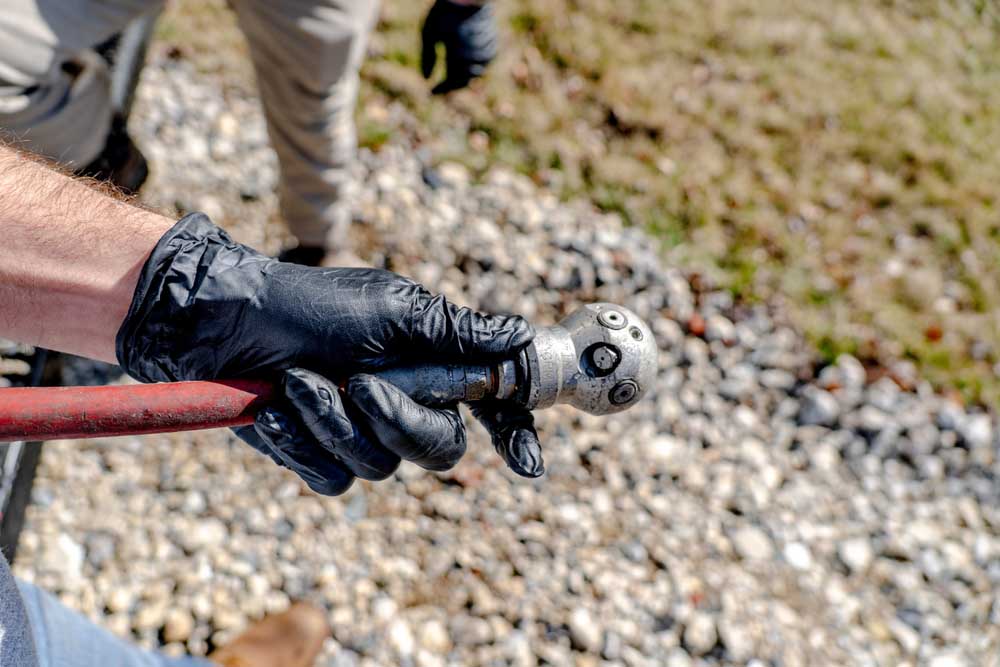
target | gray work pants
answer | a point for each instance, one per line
(306, 54)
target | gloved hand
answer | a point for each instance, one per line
(469, 34)
(206, 308)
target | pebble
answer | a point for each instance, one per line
(64, 557)
(819, 407)
(584, 631)
(977, 430)
(775, 378)
(120, 599)
(737, 640)
(798, 555)
(679, 658)
(178, 626)
(856, 553)
(949, 659)
(718, 327)
(471, 630)
(400, 638)
(663, 450)
(752, 543)
(852, 372)
(434, 637)
(203, 534)
(150, 616)
(700, 634)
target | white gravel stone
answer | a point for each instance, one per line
(63, 556)
(856, 553)
(852, 371)
(798, 555)
(818, 407)
(949, 659)
(151, 616)
(663, 450)
(737, 639)
(470, 630)
(584, 630)
(977, 430)
(433, 636)
(700, 634)
(679, 658)
(752, 543)
(178, 625)
(203, 534)
(775, 378)
(400, 638)
(718, 327)
(120, 599)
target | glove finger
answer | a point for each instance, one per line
(300, 453)
(321, 410)
(441, 328)
(453, 81)
(461, 71)
(428, 50)
(249, 435)
(512, 429)
(432, 438)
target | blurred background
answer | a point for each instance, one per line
(800, 197)
(841, 156)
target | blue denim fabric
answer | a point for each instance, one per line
(64, 638)
(16, 646)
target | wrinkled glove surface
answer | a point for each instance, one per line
(469, 35)
(207, 308)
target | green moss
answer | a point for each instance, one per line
(830, 348)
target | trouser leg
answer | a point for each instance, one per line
(54, 90)
(307, 54)
(64, 638)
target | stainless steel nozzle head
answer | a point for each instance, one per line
(601, 359)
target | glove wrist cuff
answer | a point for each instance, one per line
(154, 325)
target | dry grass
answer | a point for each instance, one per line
(843, 156)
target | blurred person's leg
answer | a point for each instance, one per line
(64, 638)
(307, 54)
(54, 89)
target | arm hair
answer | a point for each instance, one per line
(70, 255)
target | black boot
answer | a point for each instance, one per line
(305, 255)
(120, 163)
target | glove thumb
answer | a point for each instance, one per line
(428, 50)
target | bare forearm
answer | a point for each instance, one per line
(69, 258)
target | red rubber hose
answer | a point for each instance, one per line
(47, 413)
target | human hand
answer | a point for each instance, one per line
(469, 35)
(208, 308)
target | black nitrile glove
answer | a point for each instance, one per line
(469, 35)
(208, 308)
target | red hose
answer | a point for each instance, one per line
(46, 413)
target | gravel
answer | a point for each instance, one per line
(754, 510)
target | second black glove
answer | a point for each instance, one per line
(469, 34)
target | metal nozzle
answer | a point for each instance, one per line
(601, 359)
